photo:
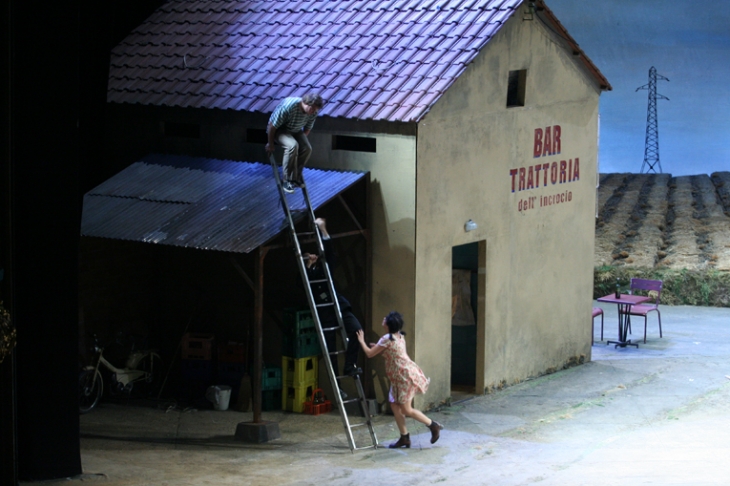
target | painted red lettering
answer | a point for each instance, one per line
(521, 186)
(513, 173)
(556, 139)
(530, 181)
(563, 175)
(546, 143)
(537, 151)
(545, 171)
(576, 170)
(554, 173)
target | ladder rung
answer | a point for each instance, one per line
(352, 426)
(374, 446)
(318, 281)
(342, 351)
(349, 376)
(351, 400)
(305, 233)
(326, 329)
(329, 304)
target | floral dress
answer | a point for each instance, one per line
(406, 377)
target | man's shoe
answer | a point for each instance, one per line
(286, 185)
(352, 370)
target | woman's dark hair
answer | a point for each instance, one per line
(394, 321)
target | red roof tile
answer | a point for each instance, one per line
(370, 59)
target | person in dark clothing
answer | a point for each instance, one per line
(327, 315)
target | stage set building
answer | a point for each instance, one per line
(476, 122)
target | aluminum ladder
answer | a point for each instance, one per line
(314, 234)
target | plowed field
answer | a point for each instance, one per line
(656, 220)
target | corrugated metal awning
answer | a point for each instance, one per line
(196, 202)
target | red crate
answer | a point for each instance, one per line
(197, 346)
(322, 406)
(232, 352)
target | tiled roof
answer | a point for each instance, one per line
(369, 59)
(200, 203)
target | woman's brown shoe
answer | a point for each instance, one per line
(435, 428)
(404, 441)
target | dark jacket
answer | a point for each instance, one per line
(321, 290)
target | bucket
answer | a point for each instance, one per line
(219, 395)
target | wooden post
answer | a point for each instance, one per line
(258, 338)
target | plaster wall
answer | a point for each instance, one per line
(539, 261)
(393, 176)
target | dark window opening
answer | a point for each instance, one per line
(516, 88)
(257, 135)
(355, 144)
(182, 130)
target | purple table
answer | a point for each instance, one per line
(624, 302)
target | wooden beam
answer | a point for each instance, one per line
(258, 333)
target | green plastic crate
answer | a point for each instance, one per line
(298, 322)
(301, 346)
(271, 378)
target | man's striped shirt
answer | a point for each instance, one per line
(289, 115)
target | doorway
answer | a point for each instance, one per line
(465, 293)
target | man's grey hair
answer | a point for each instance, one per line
(313, 99)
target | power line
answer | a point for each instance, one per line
(651, 145)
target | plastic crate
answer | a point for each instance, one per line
(232, 352)
(318, 403)
(271, 378)
(270, 400)
(293, 397)
(197, 346)
(298, 322)
(299, 371)
(196, 370)
(301, 346)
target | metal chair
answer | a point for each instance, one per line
(597, 311)
(652, 288)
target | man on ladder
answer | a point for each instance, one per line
(289, 125)
(327, 314)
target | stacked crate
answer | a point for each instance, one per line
(231, 366)
(196, 363)
(299, 362)
(271, 390)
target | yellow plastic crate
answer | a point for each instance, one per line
(293, 397)
(299, 371)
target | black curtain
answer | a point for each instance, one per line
(56, 58)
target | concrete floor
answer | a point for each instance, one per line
(659, 414)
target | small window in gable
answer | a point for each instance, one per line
(354, 144)
(257, 135)
(182, 130)
(516, 88)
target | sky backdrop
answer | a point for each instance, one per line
(686, 41)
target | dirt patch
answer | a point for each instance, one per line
(659, 221)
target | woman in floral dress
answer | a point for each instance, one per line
(406, 378)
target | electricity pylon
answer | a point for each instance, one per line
(651, 146)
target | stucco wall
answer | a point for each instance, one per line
(393, 174)
(538, 261)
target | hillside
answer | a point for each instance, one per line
(663, 222)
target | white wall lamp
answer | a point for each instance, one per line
(470, 226)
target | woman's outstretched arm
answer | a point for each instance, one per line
(369, 351)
